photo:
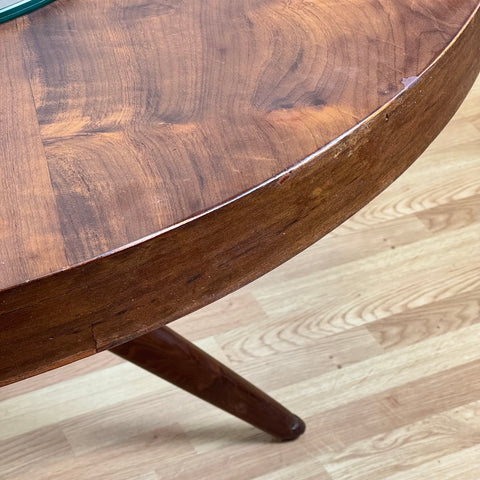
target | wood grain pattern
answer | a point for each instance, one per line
(404, 405)
(193, 122)
(29, 226)
(190, 120)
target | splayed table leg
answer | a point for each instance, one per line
(175, 359)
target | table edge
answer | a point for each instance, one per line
(125, 293)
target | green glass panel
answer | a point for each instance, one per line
(13, 8)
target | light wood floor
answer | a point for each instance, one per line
(372, 336)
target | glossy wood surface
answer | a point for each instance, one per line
(371, 335)
(200, 135)
(175, 359)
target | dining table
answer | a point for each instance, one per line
(157, 155)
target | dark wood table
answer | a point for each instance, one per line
(158, 155)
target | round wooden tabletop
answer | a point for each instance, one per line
(156, 156)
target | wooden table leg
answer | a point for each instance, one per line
(172, 357)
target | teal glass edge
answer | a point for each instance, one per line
(20, 8)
